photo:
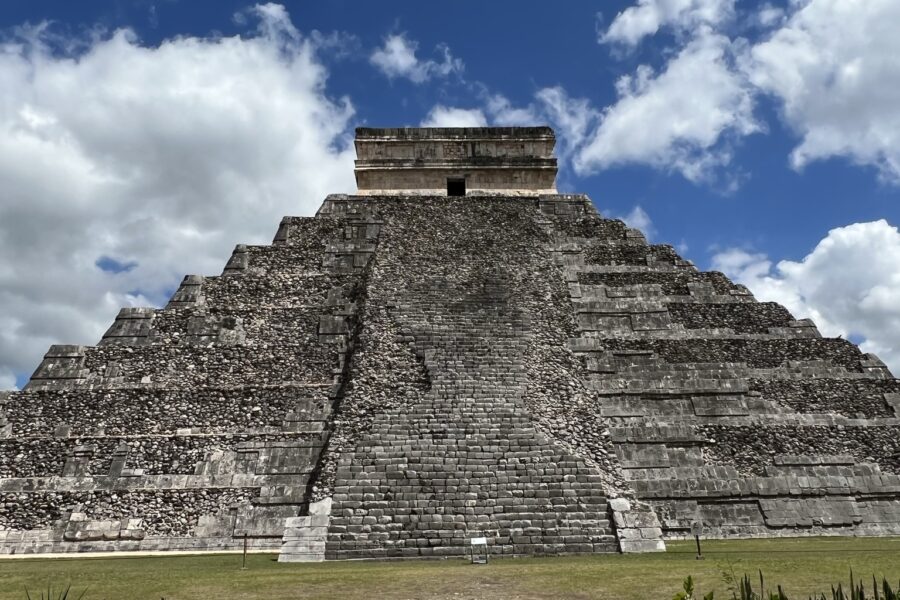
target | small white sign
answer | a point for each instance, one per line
(478, 541)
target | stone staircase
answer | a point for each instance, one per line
(465, 460)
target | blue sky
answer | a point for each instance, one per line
(146, 138)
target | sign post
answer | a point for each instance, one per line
(696, 530)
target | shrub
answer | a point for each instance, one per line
(742, 589)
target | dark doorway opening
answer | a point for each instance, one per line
(456, 187)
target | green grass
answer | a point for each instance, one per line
(801, 566)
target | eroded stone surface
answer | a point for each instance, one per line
(401, 373)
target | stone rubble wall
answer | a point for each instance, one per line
(726, 410)
(671, 283)
(399, 374)
(874, 445)
(150, 455)
(757, 317)
(191, 426)
(155, 410)
(857, 397)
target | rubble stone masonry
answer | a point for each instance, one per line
(401, 373)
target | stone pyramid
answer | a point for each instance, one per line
(457, 351)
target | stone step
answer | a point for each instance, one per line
(305, 537)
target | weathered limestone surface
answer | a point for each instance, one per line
(460, 456)
(510, 161)
(725, 410)
(401, 373)
(381, 356)
(305, 537)
(192, 426)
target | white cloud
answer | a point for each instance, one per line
(397, 58)
(164, 156)
(741, 264)
(833, 65)
(829, 63)
(849, 284)
(769, 15)
(648, 16)
(449, 116)
(679, 119)
(639, 219)
(571, 117)
(636, 218)
(504, 114)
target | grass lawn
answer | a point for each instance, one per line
(801, 566)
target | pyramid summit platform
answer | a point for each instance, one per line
(456, 351)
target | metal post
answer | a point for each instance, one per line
(244, 557)
(697, 529)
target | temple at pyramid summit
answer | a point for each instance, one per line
(456, 351)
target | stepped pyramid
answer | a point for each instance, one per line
(456, 351)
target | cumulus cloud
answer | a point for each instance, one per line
(768, 15)
(155, 158)
(841, 93)
(571, 118)
(639, 219)
(397, 58)
(450, 116)
(648, 16)
(679, 119)
(833, 66)
(636, 218)
(830, 64)
(849, 284)
(504, 114)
